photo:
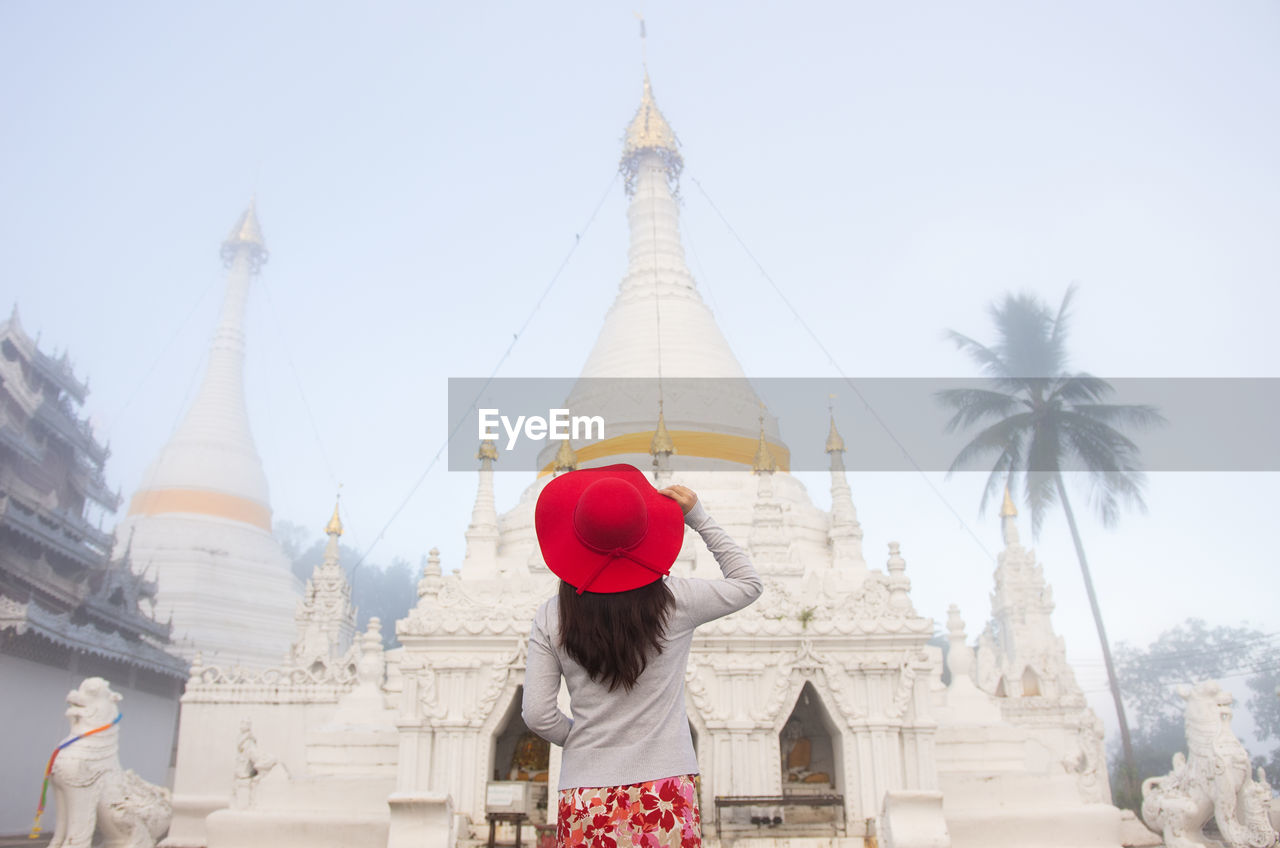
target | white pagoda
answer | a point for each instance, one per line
(201, 518)
(819, 713)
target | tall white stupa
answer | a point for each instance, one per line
(201, 518)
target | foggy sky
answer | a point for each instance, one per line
(421, 170)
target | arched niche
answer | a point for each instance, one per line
(517, 753)
(1030, 683)
(809, 744)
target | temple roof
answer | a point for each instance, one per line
(57, 370)
(60, 628)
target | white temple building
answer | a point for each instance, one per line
(819, 713)
(201, 518)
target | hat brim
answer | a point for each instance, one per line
(573, 562)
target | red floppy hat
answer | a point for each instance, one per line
(607, 529)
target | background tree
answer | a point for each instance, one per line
(1185, 655)
(1037, 418)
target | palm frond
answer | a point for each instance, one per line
(1024, 327)
(1138, 415)
(986, 358)
(974, 405)
(1081, 388)
(1100, 447)
(1108, 493)
(1004, 437)
(1111, 460)
(1001, 475)
(1060, 323)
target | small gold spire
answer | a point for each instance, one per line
(247, 229)
(334, 527)
(566, 458)
(246, 232)
(834, 442)
(487, 450)
(764, 457)
(1007, 509)
(661, 444)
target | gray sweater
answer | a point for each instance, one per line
(618, 738)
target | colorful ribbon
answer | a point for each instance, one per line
(48, 770)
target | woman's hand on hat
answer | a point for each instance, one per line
(682, 495)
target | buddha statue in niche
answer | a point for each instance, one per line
(530, 759)
(801, 764)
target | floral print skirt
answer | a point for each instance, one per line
(659, 813)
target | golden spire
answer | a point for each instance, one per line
(487, 450)
(834, 442)
(1007, 509)
(661, 444)
(764, 457)
(334, 527)
(566, 458)
(246, 232)
(649, 132)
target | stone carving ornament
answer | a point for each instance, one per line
(251, 766)
(93, 792)
(1212, 780)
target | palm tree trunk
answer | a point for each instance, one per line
(1129, 772)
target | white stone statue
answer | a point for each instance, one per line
(251, 766)
(91, 789)
(1212, 780)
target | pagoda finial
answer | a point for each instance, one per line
(649, 133)
(1007, 509)
(835, 444)
(334, 527)
(661, 445)
(1009, 520)
(246, 234)
(566, 458)
(763, 461)
(487, 450)
(644, 54)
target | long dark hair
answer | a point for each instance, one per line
(612, 634)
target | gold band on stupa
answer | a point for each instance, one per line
(687, 443)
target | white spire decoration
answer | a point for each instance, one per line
(482, 533)
(326, 619)
(1019, 654)
(845, 533)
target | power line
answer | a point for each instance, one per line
(830, 358)
(577, 242)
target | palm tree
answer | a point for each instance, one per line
(1038, 419)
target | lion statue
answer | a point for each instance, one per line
(1212, 780)
(92, 791)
